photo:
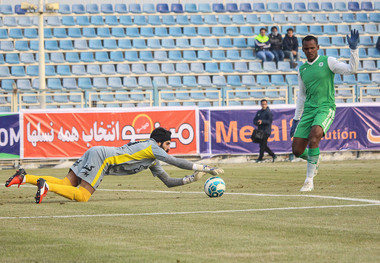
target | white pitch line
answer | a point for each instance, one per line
(191, 212)
(250, 194)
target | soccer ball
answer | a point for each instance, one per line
(215, 187)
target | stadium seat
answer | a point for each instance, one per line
(162, 32)
(324, 41)
(232, 31)
(329, 30)
(258, 7)
(83, 21)
(353, 6)
(154, 20)
(148, 8)
(106, 8)
(255, 67)
(54, 84)
(204, 55)
(78, 70)
(263, 80)
(197, 68)
(218, 55)
(146, 56)
(189, 55)
(146, 32)
(168, 20)
(219, 81)
(343, 29)
(4, 72)
(218, 8)
(363, 78)
(123, 69)
(12, 58)
(366, 41)
(108, 69)
(286, 7)
(248, 80)
(226, 67)
(95, 44)
(294, 19)
(348, 17)
(109, 44)
(89, 32)
(140, 21)
(92, 8)
(300, 7)
(63, 70)
(72, 57)
(125, 20)
(340, 6)
(100, 83)
(284, 66)
(121, 8)
(232, 7)
(191, 8)
(182, 43)
(241, 67)
(21, 45)
(372, 52)
(204, 8)
(145, 82)
(18, 71)
(313, 7)
(93, 69)
(7, 84)
(374, 17)
(327, 6)
(132, 32)
(362, 17)
(316, 30)
(277, 80)
(189, 31)
(224, 20)
(269, 66)
(27, 58)
(252, 19)
(349, 79)
(279, 19)
(103, 32)
(238, 19)
(115, 83)
(307, 19)
(335, 18)
(196, 20)
(7, 46)
(175, 55)
(153, 43)
(102, 56)
(369, 65)
(176, 8)
(68, 21)
(162, 8)
(292, 80)
(218, 31)
(139, 43)
(338, 41)
(189, 81)
(204, 32)
(211, 67)
(175, 32)
(182, 68)
(160, 56)
(376, 78)
(321, 18)
(273, 7)
(135, 8)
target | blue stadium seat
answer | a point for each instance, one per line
(146, 56)
(335, 18)
(358, 27)
(78, 9)
(140, 21)
(176, 8)
(284, 66)
(21, 46)
(232, 31)
(204, 31)
(168, 68)
(266, 19)
(197, 67)
(182, 43)
(374, 17)
(7, 84)
(102, 56)
(196, 43)
(248, 80)
(218, 31)
(10, 21)
(121, 8)
(12, 58)
(294, 19)
(321, 18)
(238, 19)
(225, 42)
(313, 7)
(4, 72)
(316, 30)
(182, 20)
(153, 43)
(211, 67)
(95, 44)
(24, 84)
(255, 67)
(218, 55)
(100, 83)
(269, 66)
(92, 8)
(106, 8)
(175, 32)
(196, 20)
(83, 21)
(53, 21)
(132, 32)
(329, 30)
(338, 41)
(286, 7)
(366, 41)
(189, 81)
(369, 65)
(125, 20)
(307, 19)
(363, 78)
(218, 8)
(327, 6)
(54, 84)
(160, 56)
(146, 32)
(7, 45)
(226, 67)
(340, 6)
(93, 69)
(154, 20)
(349, 79)
(72, 57)
(87, 57)
(80, 44)
(182, 67)
(145, 82)
(353, 6)
(300, 7)
(175, 55)
(233, 54)
(241, 67)
(68, 21)
(191, 8)
(302, 30)
(233, 80)
(273, 7)
(372, 52)
(149, 8)
(108, 69)
(324, 41)
(189, 31)
(64, 9)
(376, 78)
(97, 21)
(66, 45)
(343, 29)
(279, 19)
(57, 58)
(263, 80)
(6, 9)
(109, 44)
(224, 20)
(135, 8)
(162, 8)
(63, 70)
(362, 17)
(123, 69)
(277, 80)
(111, 21)
(89, 32)
(367, 6)
(204, 8)
(16, 33)
(18, 71)
(258, 7)
(239, 43)
(168, 20)
(232, 7)
(84, 83)
(78, 70)
(161, 32)
(210, 20)
(70, 83)
(204, 55)
(24, 21)
(348, 17)
(211, 42)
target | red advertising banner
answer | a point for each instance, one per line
(70, 134)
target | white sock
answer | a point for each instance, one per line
(311, 167)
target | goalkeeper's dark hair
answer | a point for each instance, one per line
(309, 38)
(161, 135)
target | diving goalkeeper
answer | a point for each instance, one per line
(316, 101)
(88, 171)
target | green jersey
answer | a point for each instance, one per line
(319, 84)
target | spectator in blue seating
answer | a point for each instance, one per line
(275, 40)
(262, 46)
(290, 45)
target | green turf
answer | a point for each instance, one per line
(127, 229)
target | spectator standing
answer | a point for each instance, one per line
(262, 45)
(263, 121)
(290, 46)
(275, 40)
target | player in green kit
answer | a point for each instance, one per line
(316, 101)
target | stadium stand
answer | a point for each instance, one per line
(206, 46)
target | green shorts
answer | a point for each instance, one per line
(323, 117)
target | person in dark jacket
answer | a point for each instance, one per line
(275, 40)
(263, 120)
(262, 46)
(290, 46)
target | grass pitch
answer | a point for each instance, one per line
(262, 218)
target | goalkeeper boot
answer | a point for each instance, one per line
(17, 178)
(308, 185)
(43, 188)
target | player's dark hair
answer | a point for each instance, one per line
(161, 135)
(309, 38)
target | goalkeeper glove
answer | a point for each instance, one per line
(194, 177)
(208, 169)
(293, 128)
(354, 39)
